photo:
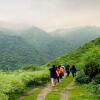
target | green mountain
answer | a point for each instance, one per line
(39, 39)
(35, 46)
(77, 36)
(80, 56)
(15, 51)
(49, 47)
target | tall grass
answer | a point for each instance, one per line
(14, 83)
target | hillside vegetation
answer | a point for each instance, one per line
(82, 55)
(35, 46)
(15, 51)
(15, 83)
(87, 81)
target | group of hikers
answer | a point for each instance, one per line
(57, 72)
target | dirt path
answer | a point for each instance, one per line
(47, 89)
(44, 92)
(66, 91)
(27, 94)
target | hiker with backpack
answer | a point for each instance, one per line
(73, 70)
(67, 70)
(53, 75)
(61, 72)
(58, 73)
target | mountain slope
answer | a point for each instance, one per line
(15, 51)
(89, 51)
(39, 39)
(49, 47)
(78, 36)
(35, 46)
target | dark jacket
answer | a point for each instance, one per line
(53, 73)
(73, 70)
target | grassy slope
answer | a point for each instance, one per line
(10, 85)
(80, 92)
(55, 93)
(78, 56)
(81, 55)
(15, 83)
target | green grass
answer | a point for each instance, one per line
(80, 92)
(55, 93)
(13, 84)
(34, 95)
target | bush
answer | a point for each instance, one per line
(96, 80)
(14, 83)
(82, 78)
(91, 69)
(94, 88)
(3, 96)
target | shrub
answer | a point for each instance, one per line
(82, 78)
(94, 88)
(14, 83)
(96, 80)
(3, 96)
(91, 68)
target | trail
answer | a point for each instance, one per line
(66, 91)
(44, 92)
(26, 94)
(46, 89)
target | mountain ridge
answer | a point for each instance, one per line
(43, 46)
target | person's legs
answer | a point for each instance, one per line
(68, 73)
(60, 75)
(55, 81)
(73, 74)
(52, 81)
(58, 79)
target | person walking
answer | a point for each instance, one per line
(53, 75)
(67, 69)
(61, 71)
(73, 70)
(58, 73)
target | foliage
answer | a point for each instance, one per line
(32, 67)
(80, 56)
(16, 52)
(35, 46)
(96, 79)
(14, 83)
(82, 78)
(80, 92)
(94, 88)
(92, 68)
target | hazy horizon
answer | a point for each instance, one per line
(51, 14)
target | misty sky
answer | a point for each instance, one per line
(51, 14)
